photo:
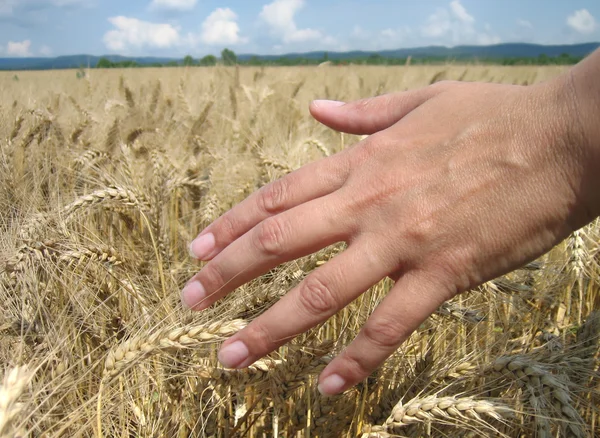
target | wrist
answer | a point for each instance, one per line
(576, 113)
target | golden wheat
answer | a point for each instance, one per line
(107, 179)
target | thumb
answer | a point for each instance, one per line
(368, 116)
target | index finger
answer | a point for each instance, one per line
(305, 184)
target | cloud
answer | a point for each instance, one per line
(131, 33)
(456, 25)
(438, 24)
(174, 5)
(19, 49)
(459, 11)
(385, 39)
(279, 16)
(220, 28)
(582, 21)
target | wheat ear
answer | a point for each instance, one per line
(189, 336)
(442, 409)
(545, 389)
(110, 194)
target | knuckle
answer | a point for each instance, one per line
(385, 333)
(273, 198)
(370, 149)
(356, 365)
(259, 339)
(364, 151)
(211, 277)
(317, 297)
(227, 228)
(271, 236)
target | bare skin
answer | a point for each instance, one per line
(457, 184)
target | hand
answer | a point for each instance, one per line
(457, 184)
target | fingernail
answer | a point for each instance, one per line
(202, 246)
(232, 355)
(328, 103)
(192, 294)
(332, 385)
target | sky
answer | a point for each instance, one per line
(175, 28)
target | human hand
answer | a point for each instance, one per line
(457, 184)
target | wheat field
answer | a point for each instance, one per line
(106, 177)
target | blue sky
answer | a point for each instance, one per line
(199, 27)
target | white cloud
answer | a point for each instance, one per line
(19, 49)
(459, 11)
(439, 23)
(279, 16)
(131, 33)
(220, 28)
(456, 26)
(582, 21)
(174, 5)
(386, 39)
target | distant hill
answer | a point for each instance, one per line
(509, 50)
(73, 61)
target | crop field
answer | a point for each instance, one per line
(106, 176)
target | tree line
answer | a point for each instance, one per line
(228, 58)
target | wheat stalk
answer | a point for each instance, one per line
(155, 98)
(267, 161)
(90, 157)
(33, 250)
(129, 97)
(39, 130)
(113, 136)
(16, 128)
(459, 411)
(183, 103)
(190, 336)
(102, 254)
(111, 194)
(545, 390)
(319, 145)
(460, 313)
(15, 382)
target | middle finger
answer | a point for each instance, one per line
(276, 240)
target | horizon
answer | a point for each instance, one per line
(175, 28)
(110, 55)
